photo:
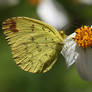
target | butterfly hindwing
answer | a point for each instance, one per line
(35, 45)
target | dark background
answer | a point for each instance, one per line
(59, 78)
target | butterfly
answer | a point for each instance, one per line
(35, 45)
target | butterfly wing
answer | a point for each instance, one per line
(35, 45)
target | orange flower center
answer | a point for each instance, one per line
(84, 36)
(34, 2)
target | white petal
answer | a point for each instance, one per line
(8, 3)
(88, 2)
(84, 63)
(69, 50)
(91, 26)
(52, 13)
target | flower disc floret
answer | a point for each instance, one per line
(84, 36)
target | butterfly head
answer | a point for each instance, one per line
(62, 34)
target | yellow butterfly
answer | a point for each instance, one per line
(35, 45)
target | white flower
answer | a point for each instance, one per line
(8, 3)
(53, 13)
(78, 49)
(87, 2)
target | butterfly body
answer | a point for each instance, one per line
(35, 45)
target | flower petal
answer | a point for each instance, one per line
(52, 13)
(84, 63)
(69, 50)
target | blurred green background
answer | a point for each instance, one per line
(59, 78)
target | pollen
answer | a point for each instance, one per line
(84, 36)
